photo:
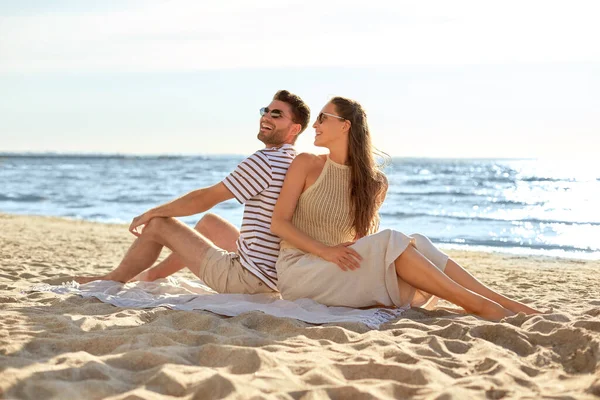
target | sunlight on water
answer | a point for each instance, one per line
(579, 170)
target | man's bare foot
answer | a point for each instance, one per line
(86, 279)
(143, 277)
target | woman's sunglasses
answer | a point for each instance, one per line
(275, 113)
(321, 117)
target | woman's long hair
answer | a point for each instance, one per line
(368, 183)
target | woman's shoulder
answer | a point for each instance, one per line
(310, 160)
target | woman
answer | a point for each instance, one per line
(327, 217)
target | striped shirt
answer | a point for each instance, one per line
(256, 183)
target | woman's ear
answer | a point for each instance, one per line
(346, 126)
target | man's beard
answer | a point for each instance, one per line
(274, 138)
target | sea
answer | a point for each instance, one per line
(526, 207)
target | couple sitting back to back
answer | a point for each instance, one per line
(309, 228)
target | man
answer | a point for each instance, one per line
(227, 260)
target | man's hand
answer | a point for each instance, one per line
(345, 257)
(138, 223)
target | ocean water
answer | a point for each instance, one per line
(517, 206)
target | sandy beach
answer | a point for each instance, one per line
(54, 346)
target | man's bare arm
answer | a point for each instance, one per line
(194, 202)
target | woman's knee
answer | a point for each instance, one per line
(423, 244)
(421, 240)
(429, 250)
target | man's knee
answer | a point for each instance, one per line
(208, 221)
(155, 226)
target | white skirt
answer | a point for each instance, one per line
(375, 283)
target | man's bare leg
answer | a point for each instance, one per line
(189, 245)
(146, 249)
(418, 271)
(141, 255)
(214, 228)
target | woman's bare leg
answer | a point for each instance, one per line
(418, 271)
(459, 275)
(464, 278)
(216, 229)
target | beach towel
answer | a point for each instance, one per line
(181, 294)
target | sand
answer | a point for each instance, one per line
(54, 346)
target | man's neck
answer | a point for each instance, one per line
(271, 146)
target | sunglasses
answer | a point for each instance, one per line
(275, 113)
(321, 117)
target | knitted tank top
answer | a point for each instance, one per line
(324, 210)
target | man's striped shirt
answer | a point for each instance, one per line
(256, 182)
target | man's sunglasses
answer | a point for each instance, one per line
(275, 113)
(321, 117)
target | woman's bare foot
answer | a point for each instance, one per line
(495, 313)
(517, 307)
(490, 310)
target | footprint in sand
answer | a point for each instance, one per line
(236, 360)
(504, 336)
(589, 325)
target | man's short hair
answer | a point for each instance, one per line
(300, 110)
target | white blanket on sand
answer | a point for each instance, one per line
(180, 294)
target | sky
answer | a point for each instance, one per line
(506, 79)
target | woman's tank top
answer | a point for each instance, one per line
(324, 210)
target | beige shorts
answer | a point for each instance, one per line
(223, 272)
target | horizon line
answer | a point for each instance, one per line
(57, 154)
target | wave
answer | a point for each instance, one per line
(444, 179)
(540, 179)
(507, 244)
(82, 205)
(464, 194)
(403, 215)
(229, 205)
(131, 200)
(516, 203)
(25, 198)
(497, 179)
(417, 182)
(434, 193)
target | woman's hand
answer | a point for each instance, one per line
(138, 223)
(345, 257)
